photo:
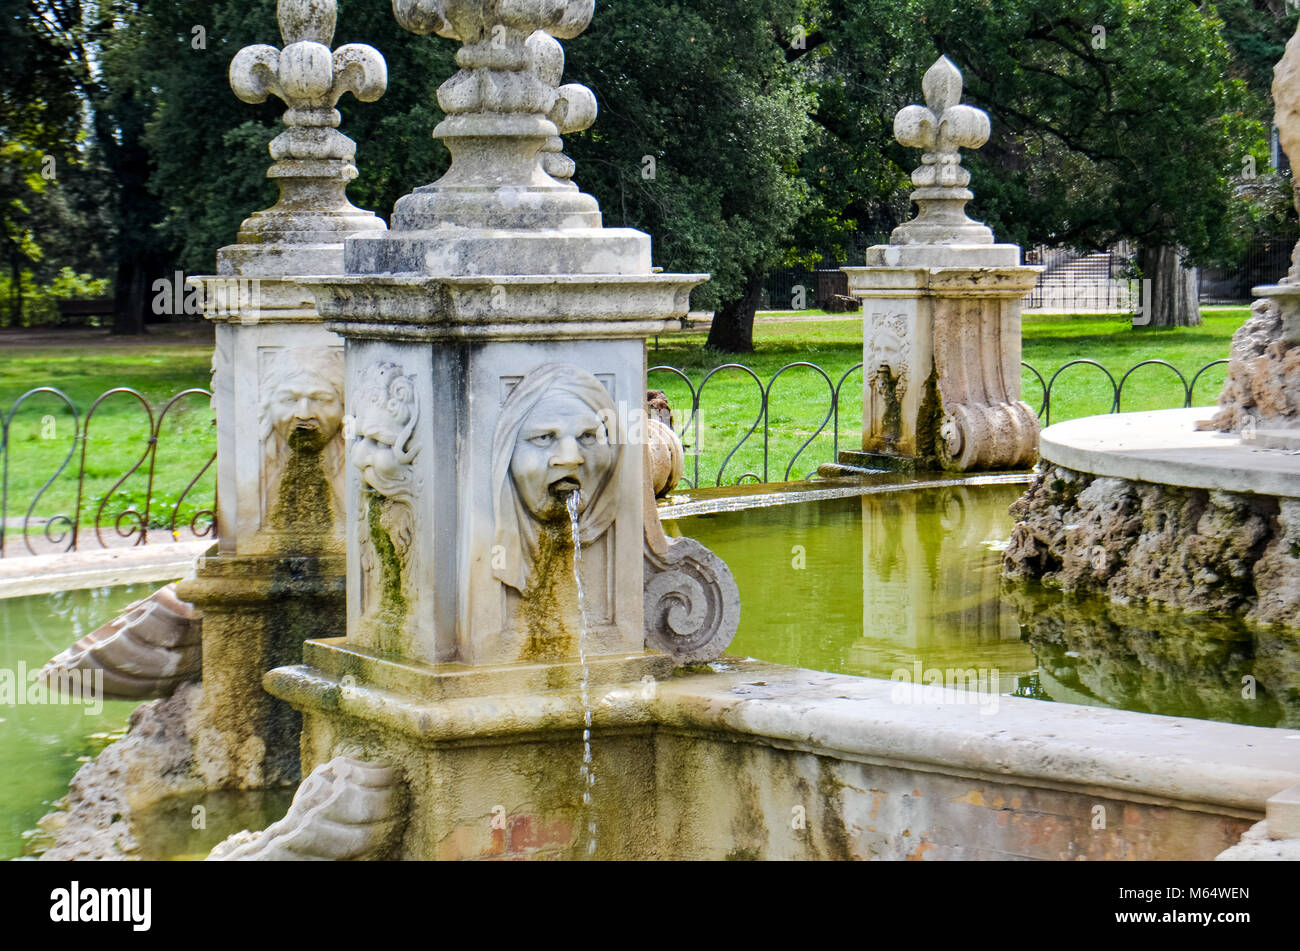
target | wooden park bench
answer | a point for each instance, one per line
(76, 312)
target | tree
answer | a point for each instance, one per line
(1113, 119)
(39, 128)
(703, 122)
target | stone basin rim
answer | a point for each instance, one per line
(1163, 447)
(1197, 765)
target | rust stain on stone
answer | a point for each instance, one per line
(918, 855)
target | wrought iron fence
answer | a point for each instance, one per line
(72, 499)
(688, 422)
(80, 510)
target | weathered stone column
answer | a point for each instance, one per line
(275, 578)
(497, 322)
(941, 312)
(496, 388)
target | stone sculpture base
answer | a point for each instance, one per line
(941, 357)
(257, 612)
(491, 756)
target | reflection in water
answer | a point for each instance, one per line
(189, 827)
(871, 585)
(930, 585)
(1139, 658)
(43, 745)
(874, 585)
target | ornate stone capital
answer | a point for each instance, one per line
(313, 160)
(940, 129)
(505, 112)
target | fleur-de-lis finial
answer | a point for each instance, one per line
(940, 128)
(505, 113)
(313, 159)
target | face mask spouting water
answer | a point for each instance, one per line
(572, 502)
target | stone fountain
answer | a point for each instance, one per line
(941, 314)
(528, 667)
(276, 577)
(510, 591)
(1192, 509)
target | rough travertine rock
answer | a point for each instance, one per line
(1263, 385)
(152, 762)
(1193, 549)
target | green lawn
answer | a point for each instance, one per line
(42, 434)
(800, 398)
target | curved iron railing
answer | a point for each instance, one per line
(94, 516)
(689, 427)
(116, 517)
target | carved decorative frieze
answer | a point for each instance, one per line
(383, 448)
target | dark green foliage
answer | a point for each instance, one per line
(771, 146)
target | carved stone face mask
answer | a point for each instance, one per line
(562, 447)
(306, 409)
(384, 420)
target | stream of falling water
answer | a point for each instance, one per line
(588, 773)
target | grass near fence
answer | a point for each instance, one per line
(800, 398)
(42, 434)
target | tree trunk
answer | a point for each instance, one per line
(733, 325)
(132, 298)
(1172, 297)
(16, 291)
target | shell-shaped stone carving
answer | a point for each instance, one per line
(692, 605)
(147, 652)
(346, 810)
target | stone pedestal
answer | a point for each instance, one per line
(257, 612)
(492, 758)
(941, 312)
(451, 556)
(275, 578)
(941, 356)
(505, 566)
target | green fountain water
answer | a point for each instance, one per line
(884, 585)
